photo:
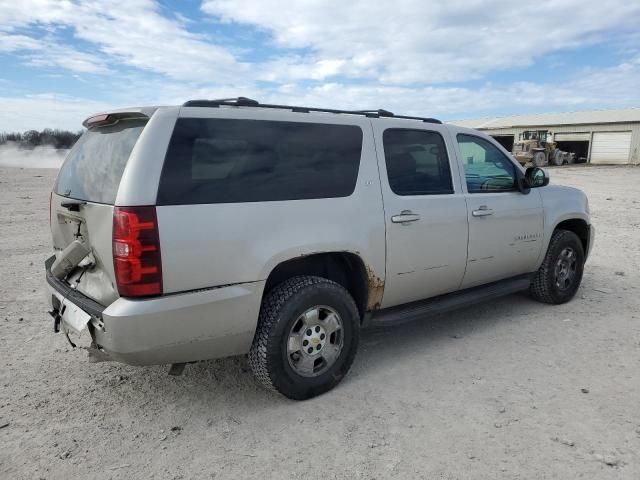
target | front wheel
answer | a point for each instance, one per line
(560, 274)
(306, 338)
(539, 159)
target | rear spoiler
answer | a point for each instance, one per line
(110, 118)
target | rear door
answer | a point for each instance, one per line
(505, 225)
(83, 198)
(425, 211)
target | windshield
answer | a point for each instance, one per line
(94, 166)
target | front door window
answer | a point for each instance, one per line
(486, 169)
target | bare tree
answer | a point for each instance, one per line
(58, 139)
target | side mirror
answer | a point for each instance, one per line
(536, 177)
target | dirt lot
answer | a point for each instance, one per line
(511, 389)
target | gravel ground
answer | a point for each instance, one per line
(509, 389)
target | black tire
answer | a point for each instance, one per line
(558, 158)
(548, 286)
(539, 159)
(281, 307)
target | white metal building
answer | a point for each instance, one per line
(604, 136)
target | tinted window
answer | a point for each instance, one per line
(225, 161)
(485, 167)
(417, 162)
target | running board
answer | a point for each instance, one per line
(448, 302)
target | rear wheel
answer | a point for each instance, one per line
(558, 158)
(560, 274)
(306, 338)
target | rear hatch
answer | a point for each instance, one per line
(83, 198)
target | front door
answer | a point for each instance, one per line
(425, 212)
(505, 225)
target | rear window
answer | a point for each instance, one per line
(228, 161)
(94, 166)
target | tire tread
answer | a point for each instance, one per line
(540, 288)
(269, 317)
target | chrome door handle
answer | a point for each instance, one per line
(405, 216)
(483, 211)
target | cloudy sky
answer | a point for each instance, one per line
(61, 60)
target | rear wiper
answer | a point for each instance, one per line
(73, 205)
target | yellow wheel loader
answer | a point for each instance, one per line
(537, 148)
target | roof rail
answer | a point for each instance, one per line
(248, 102)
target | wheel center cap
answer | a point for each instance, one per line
(313, 340)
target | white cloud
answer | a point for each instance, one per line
(407, 42)
(140, 36)
(52, 55)
(135, 34)
(37, 112)
(44, 51)
(419, 41)
(394, 55)
(13, 43)
(614, 87)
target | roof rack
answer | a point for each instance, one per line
(248, 102)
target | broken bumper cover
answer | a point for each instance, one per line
(87, 304)
(174, 328)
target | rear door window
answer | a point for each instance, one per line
(93, 168)
(417, 162)
(229, 160)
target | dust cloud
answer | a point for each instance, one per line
(38, 157)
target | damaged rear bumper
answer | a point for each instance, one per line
(75, 314)
(87, 304)
(175, 328)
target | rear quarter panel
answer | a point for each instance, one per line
(209, 245)
(139, 183)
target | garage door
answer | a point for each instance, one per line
(572, 137)
(611, 147)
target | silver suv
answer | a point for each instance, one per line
(229, 227)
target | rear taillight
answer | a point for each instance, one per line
(136, 251)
